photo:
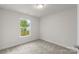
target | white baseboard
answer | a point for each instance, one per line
(72, 48)
(17, 44)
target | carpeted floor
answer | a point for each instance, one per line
(38, 47)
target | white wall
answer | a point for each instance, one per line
(60, 28)
(9, 26)
(78, 25)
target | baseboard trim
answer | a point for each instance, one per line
(72, 48)
(17, 44)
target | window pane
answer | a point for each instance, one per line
(24, 27)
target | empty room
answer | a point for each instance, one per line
(39, 29)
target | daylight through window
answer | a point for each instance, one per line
(24, 27)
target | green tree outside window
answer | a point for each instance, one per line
(24, 25)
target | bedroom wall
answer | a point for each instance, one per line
(60, 28)
(78, 25)
(9, 28)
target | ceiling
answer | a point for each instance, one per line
(29, 9)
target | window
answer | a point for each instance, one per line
(24, 27)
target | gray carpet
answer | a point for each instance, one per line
(38, 47)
